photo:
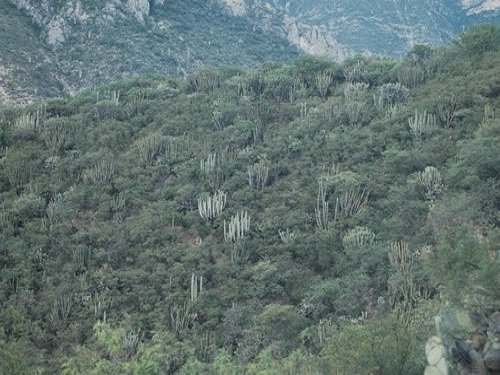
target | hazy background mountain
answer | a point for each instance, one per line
(60, 46)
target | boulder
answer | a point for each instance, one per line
(434, 350)
(492, 360)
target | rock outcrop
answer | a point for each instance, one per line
(480, 6)
(337, 28)
(466, 344)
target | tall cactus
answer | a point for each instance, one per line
(28, 124)
(286, 236)
(180, 317)
(237, 228)
(402, 283)
(211, 206)
(218, 116)
(196, 287)
(212, 169)
(411, 76)
(351, 204)
(60, 311)
(321, 210)
(421, 123)
(150, 147)
(322, 82)
(82, 256)
(305, 113)
(101, 172)
(357, 238)
(239, 252)
(55, 135)
(207, 166)
(115, 97)
(258, 174)
(355, 103)
(430, 178)
(355, 72)
(390, 94)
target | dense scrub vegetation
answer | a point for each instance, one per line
(308, 218)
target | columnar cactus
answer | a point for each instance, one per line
(421, 123)
(207, 166)
(402, 284)
(354, 94)
(55, 135)
(430, 178)
(411, 76)
(357, 238)
(286, 236)
(238, 226)
(150, 147)
(101, 172)
(351, 204)
(258, 174)
(321, 210)
(211, 206)
(323, 81)
(196, 287)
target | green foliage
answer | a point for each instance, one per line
(480, 39)
(13, 360)
(388, 346)
(132, 215)
(465, 266)
(150, 148)
(101, 172)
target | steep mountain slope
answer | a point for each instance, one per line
(335, 27)
(87, 43)
(54, 47)
(25, 64)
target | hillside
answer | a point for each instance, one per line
(77, 45)
(299, 218)
(53, 47)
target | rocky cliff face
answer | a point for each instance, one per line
(337, 27)
(480, 6)
(466, 343)
(82, 43)
(58, 20)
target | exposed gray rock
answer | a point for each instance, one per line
(139, 9)
(492, 360)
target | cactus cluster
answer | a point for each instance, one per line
(357, 238)
(421, 123)
(430, 178)
(258, 174)
(196, 287)
(321, 210)
(322, 81)
(211, 206)
(355, 103)
(150, 147)
(237, 228)
(351, 203)
(101, 172)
